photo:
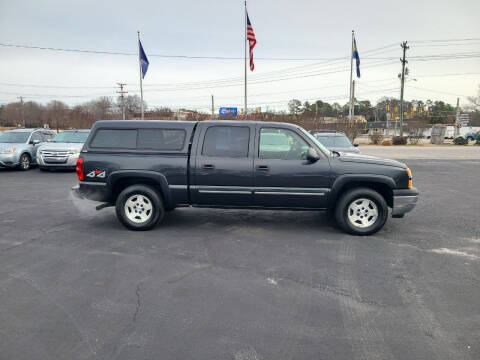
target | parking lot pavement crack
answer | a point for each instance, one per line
(188, 273)
(139, 303)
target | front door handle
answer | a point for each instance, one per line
(208, 166)
(263, 167)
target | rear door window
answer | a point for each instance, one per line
(226, 141)
(115, 138)
(161, 139)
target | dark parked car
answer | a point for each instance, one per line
(336, 141)
(145, 168)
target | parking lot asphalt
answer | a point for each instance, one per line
(237, 284)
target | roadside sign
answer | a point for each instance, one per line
(228, 111)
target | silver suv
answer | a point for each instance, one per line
(62, 152)
(18, 147)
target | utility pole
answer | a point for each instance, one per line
(403, 61)
(122, 92)
(457, 119)
(213, 109)
(21, 110)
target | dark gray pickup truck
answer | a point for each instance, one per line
(145, 168)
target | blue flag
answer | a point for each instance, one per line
(143, 60)
(355, 55)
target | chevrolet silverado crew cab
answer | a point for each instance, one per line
(146, 168)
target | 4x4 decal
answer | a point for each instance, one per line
(96, 173)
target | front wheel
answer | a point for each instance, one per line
(25, 162)
(139, 207)
(361, 211)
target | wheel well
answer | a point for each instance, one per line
(122, 184)
(381, 188)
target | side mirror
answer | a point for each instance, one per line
(312, 155)
(35, 142)
(356, 145)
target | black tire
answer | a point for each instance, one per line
(349, 197)
(157, 208)
(25, 162)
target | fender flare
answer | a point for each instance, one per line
(345, 179)
(154, 176)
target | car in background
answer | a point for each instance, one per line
(336, 141)
(472, 136)
(19, 147)
(62, 152)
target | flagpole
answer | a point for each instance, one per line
(141, 77)
(245, 111)
(350, 112)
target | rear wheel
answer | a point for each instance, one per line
(139, 207)
(361, 211)
(25, 162)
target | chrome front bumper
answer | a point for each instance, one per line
(404, 201)
(64, 161)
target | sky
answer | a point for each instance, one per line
(303, 50)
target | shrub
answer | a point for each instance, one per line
(387, 142)
(399, 140)
(478, 141)
(376, 138)
(460, 141)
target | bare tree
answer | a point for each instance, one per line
(56, 114)
(475, 101)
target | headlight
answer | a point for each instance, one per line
(8, 151)
(74, 152)
(410, 181)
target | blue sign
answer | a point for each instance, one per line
(228, 111)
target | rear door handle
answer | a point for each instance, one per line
(208, 166)
(263, 167)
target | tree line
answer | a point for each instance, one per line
(59, 115)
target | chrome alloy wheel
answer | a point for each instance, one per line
(362, 213)
(25, 162)
(138, 208)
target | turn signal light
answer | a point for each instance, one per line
(79, 169)
(410, 181)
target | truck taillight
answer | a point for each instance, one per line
(79, 169)
(410, 181)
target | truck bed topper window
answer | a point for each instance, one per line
(142, 139)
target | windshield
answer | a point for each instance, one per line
(334, 141)
(71, 137)
(318, 143)
(14, 137)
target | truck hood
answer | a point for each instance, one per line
(10, 145)
(61, 146)
(367, 159)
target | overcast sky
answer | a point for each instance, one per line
(295, 29)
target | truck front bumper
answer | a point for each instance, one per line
(404, 201)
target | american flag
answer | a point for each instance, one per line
(251, 41)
